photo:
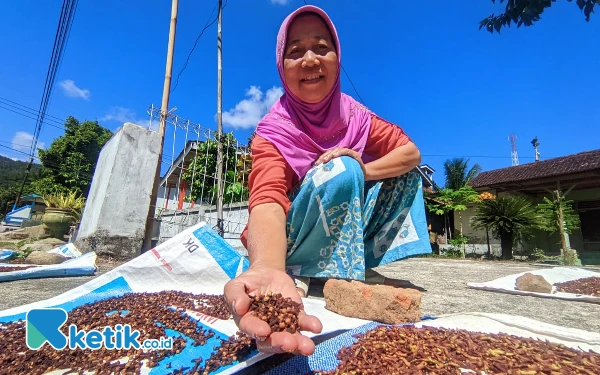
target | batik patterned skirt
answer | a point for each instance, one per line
(339, 226)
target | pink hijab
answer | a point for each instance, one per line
(302, 131)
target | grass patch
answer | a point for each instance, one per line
(9, 245)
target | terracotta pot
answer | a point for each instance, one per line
(57, 221)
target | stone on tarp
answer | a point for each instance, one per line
(114, 218)
(46, 244)
(380, 303)
(44, 258)
(533, 283)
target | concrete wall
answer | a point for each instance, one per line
(475, 235)
(114, 218)
(478, 249)
(171, 202)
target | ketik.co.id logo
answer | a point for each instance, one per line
(43, 325)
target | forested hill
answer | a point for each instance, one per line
(12, 172)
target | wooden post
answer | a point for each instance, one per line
(561, 224)
(219, 128)
(164, 109)
(487, 236)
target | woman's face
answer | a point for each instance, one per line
(310, 62)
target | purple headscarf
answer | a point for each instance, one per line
(302, 131)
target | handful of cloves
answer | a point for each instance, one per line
(280, 313)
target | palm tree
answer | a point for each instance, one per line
(510, 218)
(458, 173)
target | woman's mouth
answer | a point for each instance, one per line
(313, 78)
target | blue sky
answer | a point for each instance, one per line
(456, 90)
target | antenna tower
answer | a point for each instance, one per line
(513, 155)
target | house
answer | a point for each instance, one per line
(173, 189)
(579, 172)
(31, 208)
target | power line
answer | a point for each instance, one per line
(352, 83)
(15, 104)
(15, 150)
(14, 144)
(31, 114)
(60, 40)
(206, 26)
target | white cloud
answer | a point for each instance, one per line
(123, 115)
(70, 89)
(22, 142)
(280, 2)
(248, 112)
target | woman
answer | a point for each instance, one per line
(331, 188)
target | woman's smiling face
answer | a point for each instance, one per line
(310, 63)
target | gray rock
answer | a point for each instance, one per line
(44, 245)
(44, 258)
(533, 283)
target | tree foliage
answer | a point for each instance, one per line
(70, 161)
(12, 173)
(201, 173)
(527, 12)
(511, 219)
(7, 199)
(549, 213)
(448, 200)
(458, 174)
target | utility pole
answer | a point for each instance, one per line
(164, 109)
(219, 127)
(18, 198)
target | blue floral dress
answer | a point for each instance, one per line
(339, 226)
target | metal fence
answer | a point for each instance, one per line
(188, 184)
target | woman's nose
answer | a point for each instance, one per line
(310, 59)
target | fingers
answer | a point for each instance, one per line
(254, 327)
(309, 323)
(284, 342)
(236, 298)
(331, 154)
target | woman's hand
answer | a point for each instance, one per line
(260, 281)
(339, 151)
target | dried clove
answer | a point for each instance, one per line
(411, 350)
(589, 286)
(280, 313)
(149, 313)
(235, 348)
(11, 269)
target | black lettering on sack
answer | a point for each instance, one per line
(190, 245)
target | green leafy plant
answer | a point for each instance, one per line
(448, 200)
(24, 253)
(70, 161)
(452, 253)
(201, 173)
(72, 202)
(550, 212)
(511, 218)
(458, 174)
(570, 258)
(558, 216)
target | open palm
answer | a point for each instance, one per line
(259, 281)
